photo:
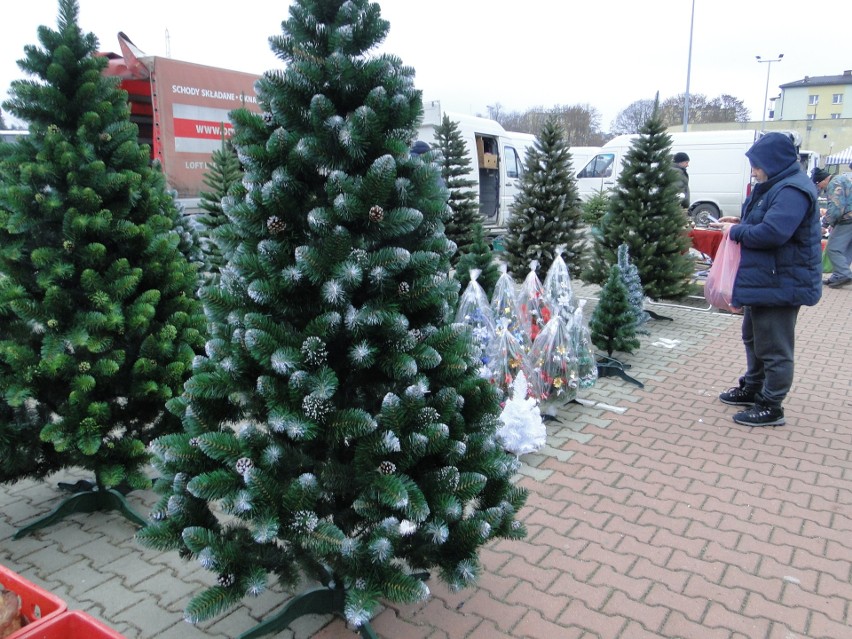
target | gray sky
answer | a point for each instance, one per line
(472, 53)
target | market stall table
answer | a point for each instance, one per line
(706, 241)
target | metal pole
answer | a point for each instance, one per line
(766, 91)
(688, 71)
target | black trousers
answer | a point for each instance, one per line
(769, 336)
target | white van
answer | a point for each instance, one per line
(719, 172)
(497, 160)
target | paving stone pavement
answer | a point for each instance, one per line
(651, 514)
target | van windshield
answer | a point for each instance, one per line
(599, 167)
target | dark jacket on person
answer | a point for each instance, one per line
(683, 185)
(779, 233)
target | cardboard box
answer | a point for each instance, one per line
(489, 161)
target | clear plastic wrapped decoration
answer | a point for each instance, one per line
(553, 363)
(507, 357)
(522, 428)
(475, 311)
(558, 293)
(532, 306)
(587, 366)
(504, 305)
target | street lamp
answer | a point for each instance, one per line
(688, 70)
(766, 94)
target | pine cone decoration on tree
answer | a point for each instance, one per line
(244, 464)
(377, 213)
(226, 580)
(275, 224)
(404, 288)
(387, 468)
(194, 442)
(267, 118)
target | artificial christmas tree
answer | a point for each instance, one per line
(98, 318)
(613, 322)
(222, 173)
(633, 284)
(645, 214)
(613, 326)
(478, 256)
(337, 427)
(456, 172)
(546, 213)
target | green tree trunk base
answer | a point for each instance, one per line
(321, 601)
(87, 498)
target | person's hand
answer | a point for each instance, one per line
(725, 227)
(730, 219)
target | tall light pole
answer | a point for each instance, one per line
(688, 70)
(766, 93)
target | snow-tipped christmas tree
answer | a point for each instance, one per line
(635, 291)
(99, 322)
(645, 213)
(337, 427)
(546, 214)
(456, 171)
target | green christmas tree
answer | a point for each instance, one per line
(98, 318)
(595, 207)
(336, 428)
(223, 171)
(546, 213)
(455, 171)
(645, 214)
(613, 323)
(478, 256)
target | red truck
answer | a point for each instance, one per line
(181, 110)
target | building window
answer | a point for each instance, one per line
(813, 99)
(835, 116)
(837, 98)
(811, 116)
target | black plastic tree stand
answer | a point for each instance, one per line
(611, 367)
(87, 497)
(655, 316)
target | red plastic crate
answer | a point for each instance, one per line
(37, 604)
(72, 624)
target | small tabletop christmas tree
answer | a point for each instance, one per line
(613, 325)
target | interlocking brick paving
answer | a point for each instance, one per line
(651, 514)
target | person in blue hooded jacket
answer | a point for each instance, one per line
(780, 271)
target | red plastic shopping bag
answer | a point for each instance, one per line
(719, 288)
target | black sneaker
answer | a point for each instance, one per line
(842, 281)
(761, 416)
(738, 396)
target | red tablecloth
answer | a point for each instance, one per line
(706, 241)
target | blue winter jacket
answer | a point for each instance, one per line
(779, 233)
